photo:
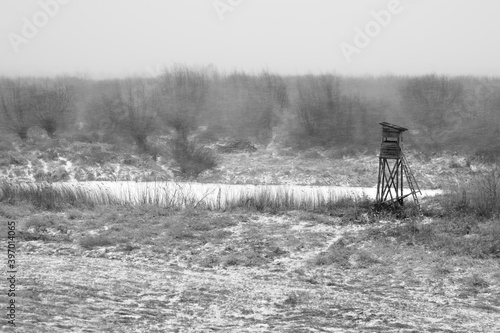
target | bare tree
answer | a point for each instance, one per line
(140, 112)
(52, 104)
(266, 100)
(184, 91)
(131, 110)
(15, 108)
(318, 103)
(434, 103)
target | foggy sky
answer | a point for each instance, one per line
(115, 38)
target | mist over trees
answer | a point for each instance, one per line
(189, 104)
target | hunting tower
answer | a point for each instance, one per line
(393, 168)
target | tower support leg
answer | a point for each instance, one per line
(390, 182)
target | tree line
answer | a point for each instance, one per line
(310, 110)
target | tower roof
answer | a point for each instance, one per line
(394, 127)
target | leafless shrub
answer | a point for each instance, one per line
(191, 158)
(481, 195)
(15, 107)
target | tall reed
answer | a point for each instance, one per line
(178, 195)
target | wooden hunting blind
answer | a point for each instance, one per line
(392, 138)
(393, 168)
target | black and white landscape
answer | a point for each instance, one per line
(250, 166)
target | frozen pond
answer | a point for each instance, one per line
(214, 196)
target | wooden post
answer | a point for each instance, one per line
(401, 202)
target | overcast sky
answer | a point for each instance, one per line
(109, 38)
